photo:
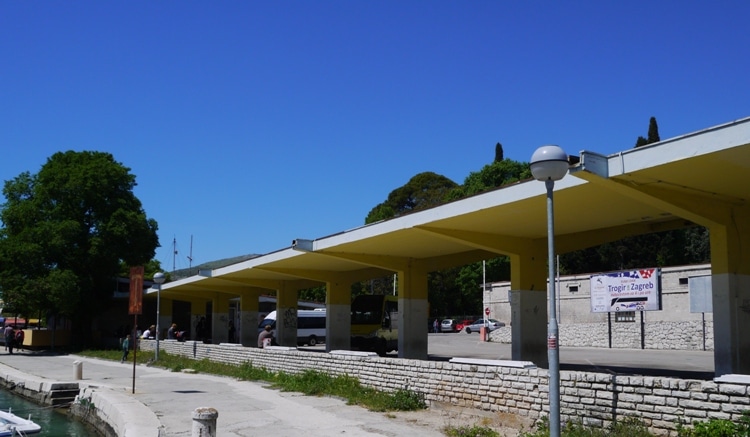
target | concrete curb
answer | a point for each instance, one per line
(109, 411)
(122, 414)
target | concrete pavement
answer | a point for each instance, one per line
(166, 400)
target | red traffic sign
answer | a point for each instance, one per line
(487, 311)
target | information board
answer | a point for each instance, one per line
(628, 290)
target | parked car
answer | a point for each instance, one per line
(448, 325)
(463, 323)
(492, 324)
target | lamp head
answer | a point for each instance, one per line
(549, 162)
(159, 278)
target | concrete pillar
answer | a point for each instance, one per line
(220, 318)
(165, 317)
(338, 315)
(730, 282)
(197, 310)
(412, 312)
(249, 305)
(204, 422)
(286, 315)
(529, 316)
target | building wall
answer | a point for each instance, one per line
(597, 399)
(674, 327)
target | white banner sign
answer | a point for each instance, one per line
(631, 290)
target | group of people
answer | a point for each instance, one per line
(265, 338)
(13, 338)
(173, 333)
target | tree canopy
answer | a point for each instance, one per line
(66, 231)
(423, 191)
(491, 176)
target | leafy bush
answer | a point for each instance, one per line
(718, 428)
(407, 400)
(624, 428)
(470, 431)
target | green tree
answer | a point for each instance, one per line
(469, 282)
(491, 176)
(314, 294)
(423, 191)
(66, 231)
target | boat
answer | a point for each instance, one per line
(12, 425)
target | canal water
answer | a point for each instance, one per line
(54, 422)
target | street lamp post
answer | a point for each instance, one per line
(158, 280)
(549, 164)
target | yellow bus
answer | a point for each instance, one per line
(375, 323)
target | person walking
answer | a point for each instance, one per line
(125, 348)
(435, 326)
(8, 333)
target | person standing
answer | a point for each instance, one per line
(200, 329)
(125, 348)
(232, 331)
(9, 338)
(435, 326)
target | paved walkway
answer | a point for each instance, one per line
(245, 408)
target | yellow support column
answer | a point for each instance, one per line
(413, 310)
(165, 316)
(249, 305)
(338, 315)
(528, 305)
(286, 315)
(730, 283)
(220, 318)
(197, 311)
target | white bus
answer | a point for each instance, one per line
(311, 326)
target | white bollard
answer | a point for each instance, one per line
(77, 370)
(204, 422)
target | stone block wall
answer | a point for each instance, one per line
(594, 398)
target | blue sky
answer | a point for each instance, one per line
(248, 123)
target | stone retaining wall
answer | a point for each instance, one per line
(38, 390)
(595, 398)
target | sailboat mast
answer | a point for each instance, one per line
(174, 254)
(190, 257)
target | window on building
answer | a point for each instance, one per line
(683, 281)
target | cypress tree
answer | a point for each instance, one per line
(498, 152)
(653, 134)
(653, 131)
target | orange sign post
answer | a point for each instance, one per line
(135, 307)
